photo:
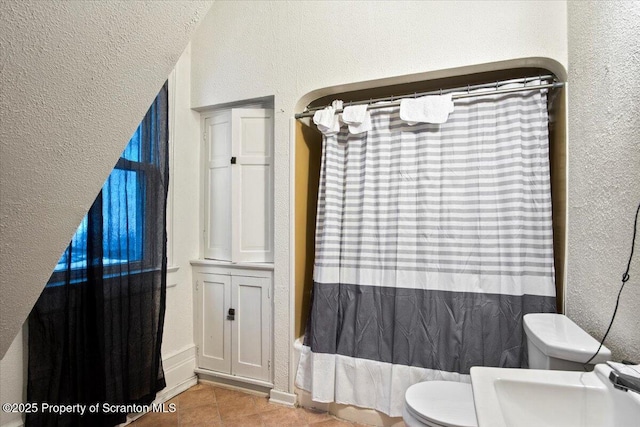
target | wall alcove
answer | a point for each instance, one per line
(308, 152)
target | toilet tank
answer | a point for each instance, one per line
(555, 342)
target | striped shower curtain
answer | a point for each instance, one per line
(432, 242)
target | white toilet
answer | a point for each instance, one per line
(554, 342)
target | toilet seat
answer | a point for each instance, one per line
(442, 403)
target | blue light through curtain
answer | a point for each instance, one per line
(95, 332)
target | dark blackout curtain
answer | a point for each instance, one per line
(96, 331)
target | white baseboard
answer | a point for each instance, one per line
(179, 367)
(16, 423)
(234, 379)
(179, 375)
(163, 396)
(169, 393)
(282, 398)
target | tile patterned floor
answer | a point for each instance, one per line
(211, 406)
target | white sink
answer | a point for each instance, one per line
(534, 398)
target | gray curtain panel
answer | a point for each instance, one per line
(432, 242)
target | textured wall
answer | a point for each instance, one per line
(76, 78)
(178, 325)
(287, 49)
(13, 377)
(183, 203)
(604, 169)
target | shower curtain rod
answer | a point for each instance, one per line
(395, 100)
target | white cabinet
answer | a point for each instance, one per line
(233, 320)
(238, 184)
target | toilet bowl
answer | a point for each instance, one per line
(554, 342)
(439, 404)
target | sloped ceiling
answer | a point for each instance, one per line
(76, 78)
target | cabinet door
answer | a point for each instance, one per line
(252, 176)
(251, 329)
(214, 299)
(217, 194)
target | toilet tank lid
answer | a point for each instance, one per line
(558, 336)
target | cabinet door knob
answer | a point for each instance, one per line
(233, 160)
(231, 315)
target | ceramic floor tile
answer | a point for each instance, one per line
(157, 419)
(203, 415)
(211, 406)
(242, 405)
(197, 397)
(174, 402)
(283, 416)
(262, 404)
(332, 423)
(200, 386)
(226, 395)
(314, 416)
(253, 420)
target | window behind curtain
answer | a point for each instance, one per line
(95, 333)
(124, 212)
